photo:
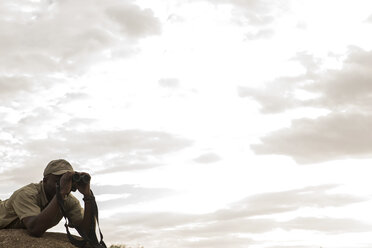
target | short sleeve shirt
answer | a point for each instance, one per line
(30, 200)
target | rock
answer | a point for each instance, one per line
(19, 238)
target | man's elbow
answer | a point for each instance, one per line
(35, 232)
(33, 228)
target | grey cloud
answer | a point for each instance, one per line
(310, 63)
(327, 225)
(25, 169)
(348, 88)
(135, 195)
(34, 119)
(171, 83)
(84, 144)
(73, 96)
(23, 149)
(16, 88)
(77, 123)
(336, 90)
(257, 12)
(253, 206)
(153, 220)
(125, 163)
(10, 85)
(279, 95)
(134, 21)
(234, 226)
(114, 148)
(40, 39)
(171, 228)
(248, 216)
(369, 19)
(220, 242)
(294, 246)
(263, 225)
(207, 158)
(257, 16)
(335, 136)
(270, 101)
(286, 201)
(345, 92)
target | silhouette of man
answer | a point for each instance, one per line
(35, 207)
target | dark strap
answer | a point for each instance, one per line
(91, 238)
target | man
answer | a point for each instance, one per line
(35, 206)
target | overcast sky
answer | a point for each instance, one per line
(204, 123)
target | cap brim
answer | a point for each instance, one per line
(61, 172)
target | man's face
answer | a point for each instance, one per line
(50, 182)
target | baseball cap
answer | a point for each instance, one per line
(58, 167)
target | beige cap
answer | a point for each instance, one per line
(58, 167)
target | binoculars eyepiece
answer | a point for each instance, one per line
(80, 178)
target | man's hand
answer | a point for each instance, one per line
(66, 183)
(84, 188)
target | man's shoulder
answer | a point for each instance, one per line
(30, 190)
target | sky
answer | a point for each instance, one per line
(204, 123)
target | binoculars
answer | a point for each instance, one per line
(80, 178)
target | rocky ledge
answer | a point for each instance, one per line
(18, 238)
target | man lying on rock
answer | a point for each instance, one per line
(35, 206)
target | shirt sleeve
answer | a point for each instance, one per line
(74, 211)
(25, 204)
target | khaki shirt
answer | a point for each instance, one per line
(30, 200)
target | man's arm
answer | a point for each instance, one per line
(88, 222)
(37, 225)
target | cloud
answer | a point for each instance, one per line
(125, 163)
(346, 93)
(171, 83)
(83, 144)
(220, 242)
(256, 17)
(271, 101)
(279, 95)
(132, 195)
(85, 29)
(286, 201)
(207, 158)
(10, 85)
(335, 136)
(179, 230)
(369, 19)
(293, 246)
(261, 34)
(17, 88)
(348, 88)
(263, 225)
(327, 225)
(252, 215)
(337, 90)
(256, 12)
(134, 21)
(40, 40)
(260, 205)
(111, 148)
